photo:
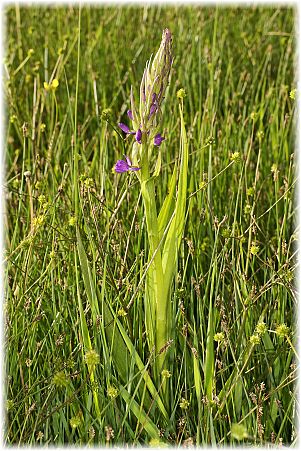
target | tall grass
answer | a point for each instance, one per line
(79, 367)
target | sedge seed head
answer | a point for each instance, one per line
(235, 156)
(112, 392)
(60, 379)
(165, 373)
(72, 221)
(219, 337)
(121, 312)
(106, 114)
(91, 358)
(75, 422)
(282, 330)
(255, 339)
(181, 93)
(247, 209)
(42, 199)
(260, 135)
(226, 233)
(184, 404)
(40, 435)
(38, 221)
(254, 249)
(261, 328)
(292, 94)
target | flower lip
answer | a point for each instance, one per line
(121, 166)
(125, 165)
(158, 139)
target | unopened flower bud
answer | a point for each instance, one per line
(154, 83)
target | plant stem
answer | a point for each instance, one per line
(158, 307)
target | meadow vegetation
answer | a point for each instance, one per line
(78, 361)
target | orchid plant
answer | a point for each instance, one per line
(164, 230)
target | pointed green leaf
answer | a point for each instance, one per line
(123, 349)
(174, 235)
(139, 413)
(168, 204)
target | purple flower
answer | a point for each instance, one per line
(153, 109)
(158, 139)
(138, 136)
(125, 129)
(125, 165)
(154, 106)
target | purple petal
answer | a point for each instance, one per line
(138, 136)
(153, 109)
(124, 127)
(134, 168)
(158, 139)
(121, 166)
(130, 114)
(154, 97)
(128, 160)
